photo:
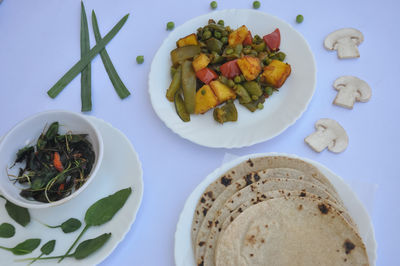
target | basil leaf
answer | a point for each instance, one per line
(52, 131)
(104, 209)
(48, 247)
(26, 247)
(19, 214)
(7, 230)
(71, 225)
(89, 246)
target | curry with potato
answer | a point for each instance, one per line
(217, 65)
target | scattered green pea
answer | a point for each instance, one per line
(299, 18)
(269, 91)
(229, 51)
(224, 40)
(256, 4)
(221, 22)
(207, 34)
(237, 79)
(260, 106)
(231, 83)
(140, 59)
(170, 25)
(203, 92)
(213, 5)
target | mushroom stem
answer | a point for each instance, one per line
(347, 48)
(345, 97)
(320, 139)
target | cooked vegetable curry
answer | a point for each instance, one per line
(218, 65)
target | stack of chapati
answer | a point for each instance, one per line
(274, 210)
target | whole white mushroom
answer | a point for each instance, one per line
(345, 42)
(329, 134)
(351, 89)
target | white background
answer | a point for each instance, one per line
(40, 41)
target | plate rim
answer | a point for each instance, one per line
(195, 194)
(243, 143)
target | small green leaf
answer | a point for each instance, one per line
(7, 230)
(71, 225)
(19, 214)
(26, 247)
(52, 131)
(104, 209)
(48, 247)
(89, 246)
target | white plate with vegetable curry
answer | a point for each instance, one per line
(278, 112)
(116, 173)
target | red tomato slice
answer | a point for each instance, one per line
(273, 40)
(248, 40)
(206, 75)
(230, 69)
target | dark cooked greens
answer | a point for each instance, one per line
(55, 166)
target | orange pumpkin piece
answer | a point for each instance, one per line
(188, 40)
(238, 36)
(222, 91)
(276, 73)
(199, 62)
(205, 100)
(250, 67)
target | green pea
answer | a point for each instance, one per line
(256, 4)
(225, 33)
(170, 25)
(213, 5)
(231, 83)
(254, 97)
(237, 79)
(260, 106)
(269, 90)
(224, 40)
(246, 50)
(221, 22)
(207, 34)
(217, 34)
(299, 18)
(229, 51)
(281, 56)
(140, 59)
(203, 92)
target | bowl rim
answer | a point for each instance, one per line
(40, 205)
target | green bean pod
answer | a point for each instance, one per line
(253, 88)
(226, 113)
(244, 96)
(189, 86)
(181, 54)
(180, 108)
(214, 45)
(253, 106)
(175, 84)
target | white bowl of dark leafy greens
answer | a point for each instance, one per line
(49, 158)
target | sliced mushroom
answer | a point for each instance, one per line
(345, 41)
(351, 89)
(328, 134)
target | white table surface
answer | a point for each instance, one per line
(40, 42)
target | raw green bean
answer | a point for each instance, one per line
(81, 64)
(86, 74)
(119, 86)
(175, 84)
(189, 86)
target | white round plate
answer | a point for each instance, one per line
(183, 245)
(280, 111)
(120, 169)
